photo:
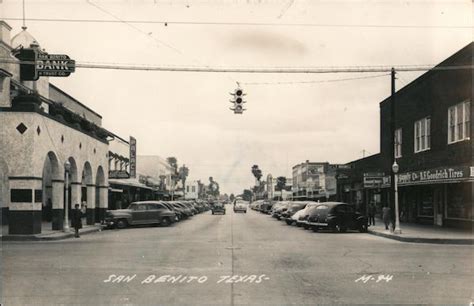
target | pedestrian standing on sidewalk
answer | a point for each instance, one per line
(386, 216)
(84, 211)
(371, 214)
(76, 219)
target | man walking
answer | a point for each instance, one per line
(386, 215)
(76, 220)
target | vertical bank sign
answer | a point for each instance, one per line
(133, 157)
(35, 64)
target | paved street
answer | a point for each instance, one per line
(291, 266)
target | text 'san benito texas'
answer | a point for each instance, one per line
(236, 152)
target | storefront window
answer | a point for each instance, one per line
(426, 202)
(458, 201)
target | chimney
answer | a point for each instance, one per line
(5, 30)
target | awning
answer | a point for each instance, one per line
(131, 182)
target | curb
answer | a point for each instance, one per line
(48, 238)
(424, 240)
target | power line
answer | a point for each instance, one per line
(266, 24)
(313, 82)
(262, 70)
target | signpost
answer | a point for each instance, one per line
(37, 64)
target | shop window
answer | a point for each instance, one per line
(459, 122)
(38, 196)
(398, 143)
(423, 134)
(426, 202)
(458, 206)
(21, 195)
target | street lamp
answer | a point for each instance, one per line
(67, 168)
(395, 169)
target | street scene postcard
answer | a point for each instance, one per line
(236, 152)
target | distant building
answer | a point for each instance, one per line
(158, 170)
(273, 193)
(192, 190)
(314, 181)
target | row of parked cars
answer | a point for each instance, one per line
(335, 216)
(162, 213)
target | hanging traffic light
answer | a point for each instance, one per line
(238, 101)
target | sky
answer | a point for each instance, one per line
(290, 118)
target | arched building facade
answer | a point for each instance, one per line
(51, 145)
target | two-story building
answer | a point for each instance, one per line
(52, 148)
(314, 181)
(432, 146)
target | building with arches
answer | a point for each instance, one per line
(51, 145)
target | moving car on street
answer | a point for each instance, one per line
(146, 212)
(338, 217)
(240, 205)
(218, 208)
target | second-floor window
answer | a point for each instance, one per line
(193, 189)
(423, 134)
(459, 124)
(398, 143)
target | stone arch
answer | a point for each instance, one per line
(102, 191)
(53, 191)
(73, 186)
(88, 191)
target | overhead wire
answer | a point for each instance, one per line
(266, 24)
(261, 70)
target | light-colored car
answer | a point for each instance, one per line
(240, 206)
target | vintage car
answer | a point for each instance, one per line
(146, 212)
(218, 208)
(240, 206)
(292, 209)
(338, 217)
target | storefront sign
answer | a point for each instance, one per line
(373, 180)
(434, 175)
(133, 157)
(118, 174)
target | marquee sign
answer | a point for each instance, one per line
(133, 157)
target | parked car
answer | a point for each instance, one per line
(292, 209)
(282, 208)
(266, 206)
(338, 217)
(240, 205)
(218, 208)
(301, 217)
(146, 212)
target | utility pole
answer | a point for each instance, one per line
(393, 160)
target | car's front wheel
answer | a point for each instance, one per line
(165, 221)
(121, 223)
(363, 228)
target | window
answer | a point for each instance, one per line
(422, 134)
(187, 188)
(459, 124)
(193, 189)
(398, 143)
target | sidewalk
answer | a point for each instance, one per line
(419, 233)
(48, 234)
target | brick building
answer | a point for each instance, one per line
(433, 148)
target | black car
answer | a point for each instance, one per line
(338, 217)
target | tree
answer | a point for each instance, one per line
(280, 185)
(247, 195)
(173, 162)
(256, 172)
(213, 187)
(232, 197)
(182, 175)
